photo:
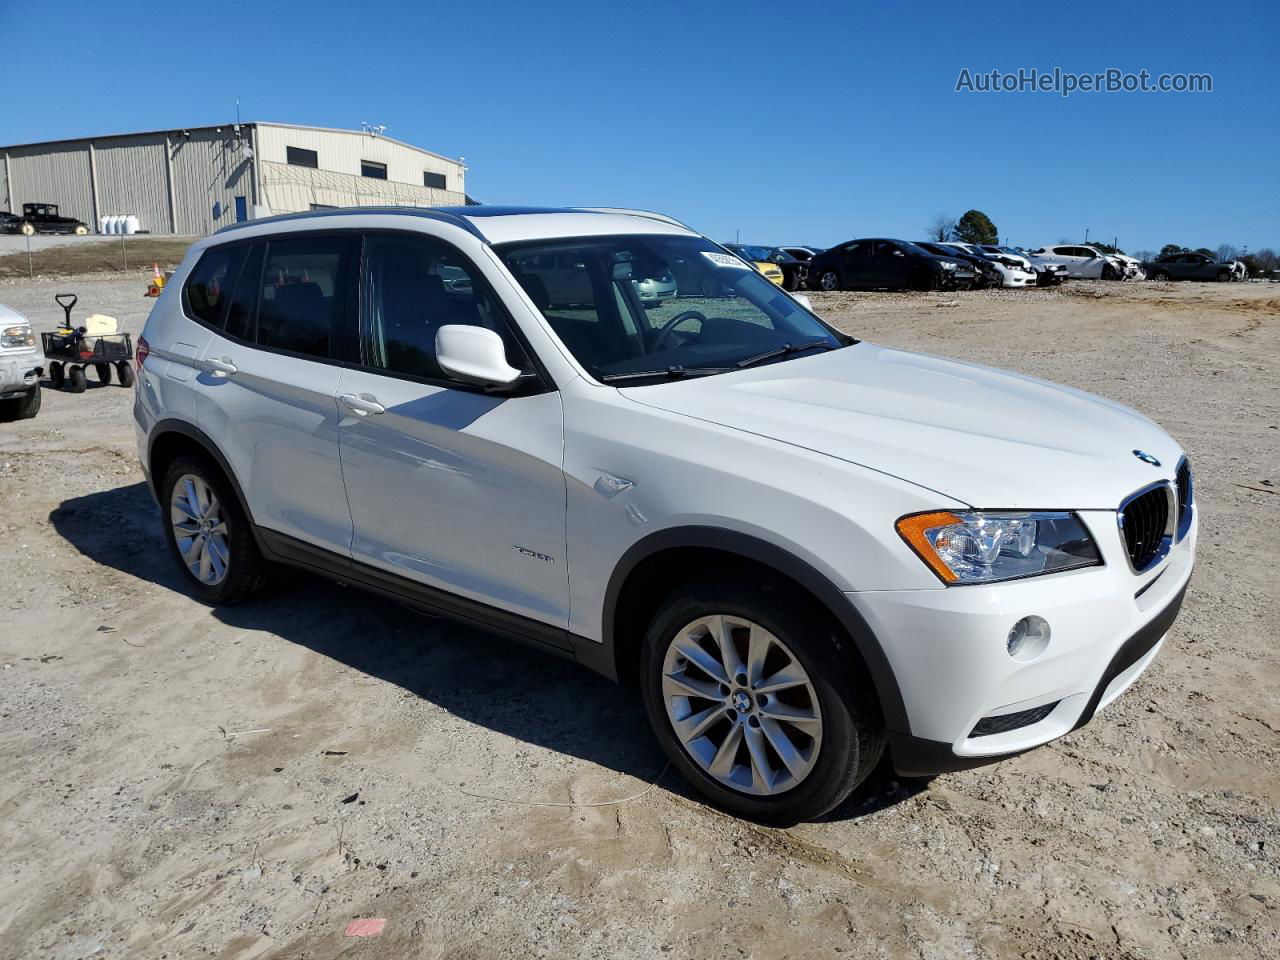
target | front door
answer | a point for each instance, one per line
(449, 486)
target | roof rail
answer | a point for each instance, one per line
(648, 214)
(430, 213)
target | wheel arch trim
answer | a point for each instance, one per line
(752, 548)
(191, 432)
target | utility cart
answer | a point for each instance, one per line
(70, 349)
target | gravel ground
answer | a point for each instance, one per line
(179, 781)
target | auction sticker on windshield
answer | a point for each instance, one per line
(724, 260)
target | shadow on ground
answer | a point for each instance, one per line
(488, 680)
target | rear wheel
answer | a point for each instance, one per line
(124, 373)
(81, 231)
(28, 230)
(752, 702)
(208, 533)
(829, 280)
(103, 370)
(76, 380)
(1160, 275)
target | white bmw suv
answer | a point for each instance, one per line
(801, 547)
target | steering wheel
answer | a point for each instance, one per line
(667, 328)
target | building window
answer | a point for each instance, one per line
(433, 180)
(371, 168)
(302, 158)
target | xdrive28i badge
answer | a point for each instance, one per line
(1146, 457)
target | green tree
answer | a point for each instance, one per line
(1169, 248)
(976, 227)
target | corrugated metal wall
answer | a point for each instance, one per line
(5, 202)
(52, 173)
(289, 189)
(132, 179)
(209, 171)
(341, 152)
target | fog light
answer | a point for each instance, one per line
(1028, 638)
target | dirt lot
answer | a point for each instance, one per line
(55, 255)
(178, 781)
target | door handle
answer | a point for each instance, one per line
(361, 405)
(221, 368)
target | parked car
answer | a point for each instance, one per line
(985, 272)
(1082, 262)
(1046, 274)
(44, 218)
(889, 264)
(1131, 266)
(21, 365)
(1013, 271)
(9, 222)
(803, 549)
(1190, 266)
(762, 258)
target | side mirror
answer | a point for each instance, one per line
(898, 253)
(474, 355)
(803, 300)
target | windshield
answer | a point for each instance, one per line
(713, 312)
(759, 254)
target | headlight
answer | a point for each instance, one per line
(948, 265)
(964, 547)
(17, 337)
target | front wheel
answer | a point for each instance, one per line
(751, 701)
(829, 281)
(1160, 275)
(1224, 276)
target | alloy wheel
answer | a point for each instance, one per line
(742, 705)
(199, 529)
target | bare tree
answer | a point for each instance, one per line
(1227, 252)
(941, 228)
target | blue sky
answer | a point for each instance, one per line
(811, 122)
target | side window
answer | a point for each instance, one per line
(209, 286)
(862, 249)
(243, 305)
(413, 286)
(301, 291)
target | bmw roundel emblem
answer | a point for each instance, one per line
(1146, 457)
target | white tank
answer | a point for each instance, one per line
(102, 224)
(112, 221)
(132, 224)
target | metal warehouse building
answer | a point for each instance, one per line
(197, 179)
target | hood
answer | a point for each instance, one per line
(982, 436)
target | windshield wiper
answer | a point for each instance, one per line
(671, 373)
(785, 349)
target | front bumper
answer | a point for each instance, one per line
(946, 648)
(1013, 277)
(20, 370)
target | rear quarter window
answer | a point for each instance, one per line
(208, 288)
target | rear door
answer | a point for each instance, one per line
(452, 487)
(269, 377)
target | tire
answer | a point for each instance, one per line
(103, 370)
(790, 283)
(1108, 273)
(124, 373)
(846, 741)
(76, 380)
(27, 230)
(829, 281)
(1224, 276)
(23, 407)
(81, 231)
(1160, 275)
(57, 375)
(225, 567)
